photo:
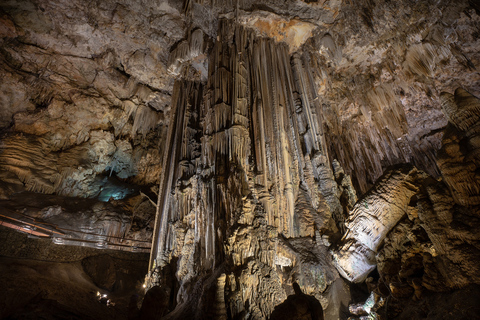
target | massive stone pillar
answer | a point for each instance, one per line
(247, 189)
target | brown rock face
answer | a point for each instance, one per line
(435, 249)
(381, 71)
(459, 157)
(274, 153)
(102, 271)
(77, 97)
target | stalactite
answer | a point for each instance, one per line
(145, 120)
(246, 163)
(182, 93)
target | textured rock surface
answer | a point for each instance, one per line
(381, 70)
(372, 218)
(84, 100)
(459, 157)
(257, 124)
(435, 247)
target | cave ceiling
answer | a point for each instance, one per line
(87, 85)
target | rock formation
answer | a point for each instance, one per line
(273, 156)
(372, 218)
(239, 197)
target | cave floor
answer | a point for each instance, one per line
(56, 285)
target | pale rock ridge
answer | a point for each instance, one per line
(372, 217)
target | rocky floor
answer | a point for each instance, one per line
(64, 283)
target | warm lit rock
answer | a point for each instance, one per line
(372, 218)
(459, 158)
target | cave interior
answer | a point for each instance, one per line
(239, 159)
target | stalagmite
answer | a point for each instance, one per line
(371, 219)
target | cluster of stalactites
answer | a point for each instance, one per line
(178, 165)
(256, 120)
(227, 105)
(186, 51)
(262, 103)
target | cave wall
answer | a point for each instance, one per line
(380, 73)
(83, 91)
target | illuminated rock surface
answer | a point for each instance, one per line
(253, 146)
